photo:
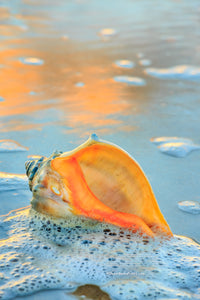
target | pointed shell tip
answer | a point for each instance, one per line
(94, 137)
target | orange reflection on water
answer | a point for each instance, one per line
(29, 90)
(16, 83)
(95, 104)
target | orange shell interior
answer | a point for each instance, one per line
(106, 184)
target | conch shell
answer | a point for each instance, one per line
(97, 180)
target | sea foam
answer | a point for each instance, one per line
(124, 63)
(130, 80)
(177, 72)
(43, 253)
(32, 61)
(174, 146)
(145, 62)
(192, 207)
(11, 146)
(107, 33)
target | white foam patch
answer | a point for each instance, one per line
(107, 33)
(174, 146)
(10, 181)
(145, 62)
(32, 61)
(192, 207)
(130, 80)
(32, 93)
(80, 84)
(41, 253)
(124, 63)
(11, 146)
(177, 72)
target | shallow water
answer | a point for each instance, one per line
(57, 67)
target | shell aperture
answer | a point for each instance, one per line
(100, 181)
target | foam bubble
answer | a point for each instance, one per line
(177, 72)
(145, 62)
(165, 139)
(174, 146)
(42, 253)
(32, 93)
(11, 146)
(130, 80)
(80, 84)
(32, 61)
(13, 181)
(192, 207)
(124, 63)
(107, 32)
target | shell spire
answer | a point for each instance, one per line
(94, 137)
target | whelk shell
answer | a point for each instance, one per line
(97, 180)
